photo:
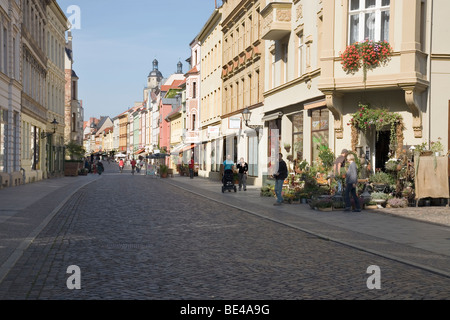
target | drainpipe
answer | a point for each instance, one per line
(429, 71)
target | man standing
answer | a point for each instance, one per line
(337, 165)
(243, 169)
(280, 176)
(351, 180)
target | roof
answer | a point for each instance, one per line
(174, 112)
(192, 71)
(174, 85)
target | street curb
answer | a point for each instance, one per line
(325, 237)
(6, 267)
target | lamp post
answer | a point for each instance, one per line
(49, 134)
(246, 115)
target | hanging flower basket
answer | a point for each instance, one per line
(367, 54)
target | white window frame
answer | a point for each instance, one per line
(301, 45)
(361, 12)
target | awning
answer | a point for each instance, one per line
(273, 116)
(158, 156)
(140, 151)
(120, 155)
(192, 146)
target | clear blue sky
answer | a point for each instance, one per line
(118, 40)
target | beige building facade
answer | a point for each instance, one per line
(294, 108)
(34, 94)
(211, 40)
(412, 83)
(57, 24)
(243, 83)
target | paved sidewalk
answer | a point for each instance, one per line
(27, 209)
(425, 244)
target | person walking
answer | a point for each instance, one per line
(351, 180)
(280, 176)
(191, 168)
(133, 166)
(337, 165)
(121, 165)
(242, 167)
(100, 168)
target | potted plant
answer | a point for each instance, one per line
(74, 163)
(380, 198)
(324, 204)
(267, 191)
(397, 203)
(381, 180)
(437, 147)
(163, 171)
(287, 147)
(370, 205)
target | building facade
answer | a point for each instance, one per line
(243, 84)
(57, 26)
(211, 40)
(73, 108)
(295, 112)
(10, 94)
(412, 84)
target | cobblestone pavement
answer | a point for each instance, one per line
(136, 238)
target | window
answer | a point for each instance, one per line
(74, 90)
(35, 148)
(194, 90)
(273, 69)
(300, 54)
(274, 141)
(3, 139)
(297, 135)
(319, 129)
(253, 156)
(5, 51)
(369, 20)
(285, 61)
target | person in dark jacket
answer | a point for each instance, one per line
(242, 167)
(280, 176)
(351, 180)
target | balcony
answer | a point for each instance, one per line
(277, 17)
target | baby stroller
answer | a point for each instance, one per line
(228, 183)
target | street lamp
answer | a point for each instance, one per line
(246, 115)
(49, 134)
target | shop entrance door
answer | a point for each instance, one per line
(382, 150)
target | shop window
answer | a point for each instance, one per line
(297, 135)
(274, 143)
(319, 130)
(253, 149)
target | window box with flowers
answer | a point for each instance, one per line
(367, 118)
(368, 55)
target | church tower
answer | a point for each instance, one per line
(155, 77)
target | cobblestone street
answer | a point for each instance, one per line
(134, 237)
